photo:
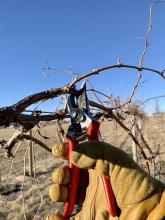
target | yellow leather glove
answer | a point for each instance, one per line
(138, 195)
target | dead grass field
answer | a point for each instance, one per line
(16, 204)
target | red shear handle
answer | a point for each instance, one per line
(111, 202)
(93, 134)
(74, 181)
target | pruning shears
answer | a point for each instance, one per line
(83, 124)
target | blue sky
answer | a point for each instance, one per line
(82, 35)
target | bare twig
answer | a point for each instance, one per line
(96, 91)
(60, 131)
(156, 97)
(143, 54)
(97, 71)
(23, 182)
(110, 112)
(93, 91)
(37, 184)
(19, 136)
(11, 165)
(10, 114)
(47, 69)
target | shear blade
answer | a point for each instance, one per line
(83, 100)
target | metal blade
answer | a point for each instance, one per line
(71, 103)
(83, 99)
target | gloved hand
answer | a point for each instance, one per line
(138, 195)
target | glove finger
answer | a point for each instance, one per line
(58, 193)
(60, 149)
(61, 175)
(54, 217)
(92, 154)
(82, 157)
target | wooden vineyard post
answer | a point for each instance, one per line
(115, 134)
(134, 132)
(31, 155)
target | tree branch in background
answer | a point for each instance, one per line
(8, 114)
(113, 116)
(120, 65)
(143, 54)
(29, 121)
(19, 136)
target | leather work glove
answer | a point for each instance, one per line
(138, 195)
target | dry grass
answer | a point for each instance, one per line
(12, 204)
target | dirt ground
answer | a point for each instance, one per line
(23, 197)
